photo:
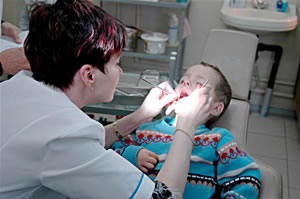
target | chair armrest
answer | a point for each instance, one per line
(271, 182)
(271, 179)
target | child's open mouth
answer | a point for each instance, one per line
(183, 94)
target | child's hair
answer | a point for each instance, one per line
(222, 89)
(67, 35)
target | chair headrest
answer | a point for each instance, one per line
(235, 119)
(234, 53)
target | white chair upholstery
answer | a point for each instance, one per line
(234, 53)
(235, 119)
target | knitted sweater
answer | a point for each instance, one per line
(218, 167)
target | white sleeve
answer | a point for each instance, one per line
(82, 168)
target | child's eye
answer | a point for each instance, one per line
(199, 83)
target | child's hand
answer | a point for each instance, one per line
(146, 160)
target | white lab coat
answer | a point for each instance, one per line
(47, 141)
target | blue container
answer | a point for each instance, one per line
(181, 1)
(279, 5)
(284, 6)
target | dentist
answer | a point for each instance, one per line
(74, 49)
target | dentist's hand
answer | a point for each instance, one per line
(155, 101)
(194, 110)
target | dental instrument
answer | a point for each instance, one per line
(204, 84)
(153, 84)
(129, 94)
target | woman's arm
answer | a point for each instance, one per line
(152, 106)
(124, 125)
(192, 112)
(175, 169)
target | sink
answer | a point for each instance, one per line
(259, 20)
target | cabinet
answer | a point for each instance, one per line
(173, 55)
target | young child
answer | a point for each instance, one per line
(218, 169)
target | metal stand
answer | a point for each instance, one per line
(278, 52)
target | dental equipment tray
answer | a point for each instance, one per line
(131, 89)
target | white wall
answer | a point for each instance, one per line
(12, 10)
(204, 15)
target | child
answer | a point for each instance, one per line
(218, 169)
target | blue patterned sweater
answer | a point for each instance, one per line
(217, 166)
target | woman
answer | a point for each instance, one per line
(74, 49)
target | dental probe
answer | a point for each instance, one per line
(204, 84)
(153, 84)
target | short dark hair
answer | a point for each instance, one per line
(67, 35)
(222, 89)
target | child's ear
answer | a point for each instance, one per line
(217, 108)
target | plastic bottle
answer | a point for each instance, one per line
(238, 3)
(279, 5)
(284, 6)
(173, 29)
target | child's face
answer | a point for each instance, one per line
(197, 74)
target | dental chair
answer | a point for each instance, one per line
(234, 53)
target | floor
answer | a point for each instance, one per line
(276, 141)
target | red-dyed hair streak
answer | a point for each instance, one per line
(68, 34)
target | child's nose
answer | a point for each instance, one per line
(186, 83)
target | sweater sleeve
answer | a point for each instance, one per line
(128, 149)
(237, 173)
